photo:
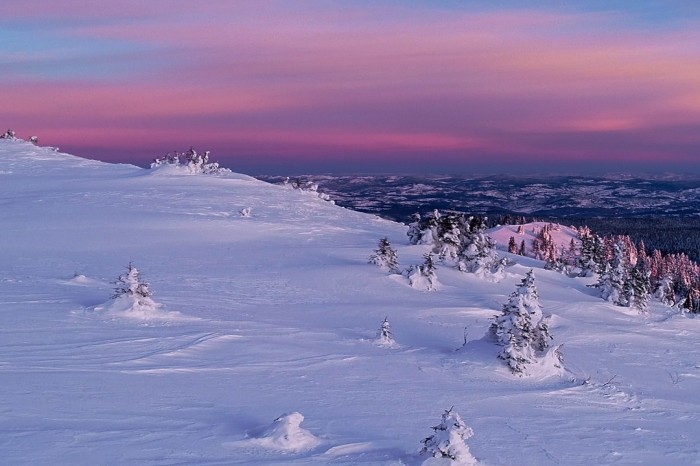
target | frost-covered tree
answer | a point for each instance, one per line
(384, 336)
(512, 246)
(521, 329)
(479, 254)
(638, 289)
(130, 285)
(423, 276)
(614, 279)
(415, 232)
(385, 256)
(448, 440)
(34, 140)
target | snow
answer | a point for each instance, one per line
(276, 313)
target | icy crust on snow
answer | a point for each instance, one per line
(286, 310)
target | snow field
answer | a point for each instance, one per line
(277, 313)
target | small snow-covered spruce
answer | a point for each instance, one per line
(448, 440)
(130, 285)
(423, 276)
(385, 257)
(34, 140)
(246, 212)
(384, 336)
(512, 246)
(521, 329)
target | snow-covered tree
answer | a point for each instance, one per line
(130, 285)
(385, 256)
(34, 140)
(512, 246)
(448, 440)
(246, 212)
(638, 289)
(664, 291)
(423, 276)
(521, 329)
(615, 277)
(384, 336)
(479, 254)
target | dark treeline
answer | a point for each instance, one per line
(668, 235)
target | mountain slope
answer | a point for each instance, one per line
(276, 314)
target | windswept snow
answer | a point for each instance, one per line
(276, 313)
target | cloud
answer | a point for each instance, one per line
(272, 76)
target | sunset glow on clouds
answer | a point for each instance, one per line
(274, 86)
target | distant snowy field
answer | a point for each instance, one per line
(275, 314)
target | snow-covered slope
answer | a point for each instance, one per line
(277, 313)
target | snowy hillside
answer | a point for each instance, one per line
(263, 350)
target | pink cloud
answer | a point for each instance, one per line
(317, 78)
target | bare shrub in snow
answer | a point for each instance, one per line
(448, 440)
(385, 257)
(246, 212)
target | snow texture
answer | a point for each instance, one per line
(275, 311)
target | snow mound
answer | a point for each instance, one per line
(286, 435)
(140, 309)
(549, 365)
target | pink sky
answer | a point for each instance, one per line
(272, 87)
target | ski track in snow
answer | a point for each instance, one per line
(283, 311)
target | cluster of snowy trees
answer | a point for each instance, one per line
(629, 276)
(12, 136)
(307, 186)
(557, 257)
(9, 134)
(458, 240)
(421, 276)
(193, 160)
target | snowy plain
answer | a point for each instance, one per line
(275, 314)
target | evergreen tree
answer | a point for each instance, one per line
(692, 301)
(614, 279)
(512, 247)
(414, 229)
(385, 256)
(521, 250)
(521, 329)
(448, 440)
(131, 286)
(385, 337)
(423, 276)
(639, 287)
